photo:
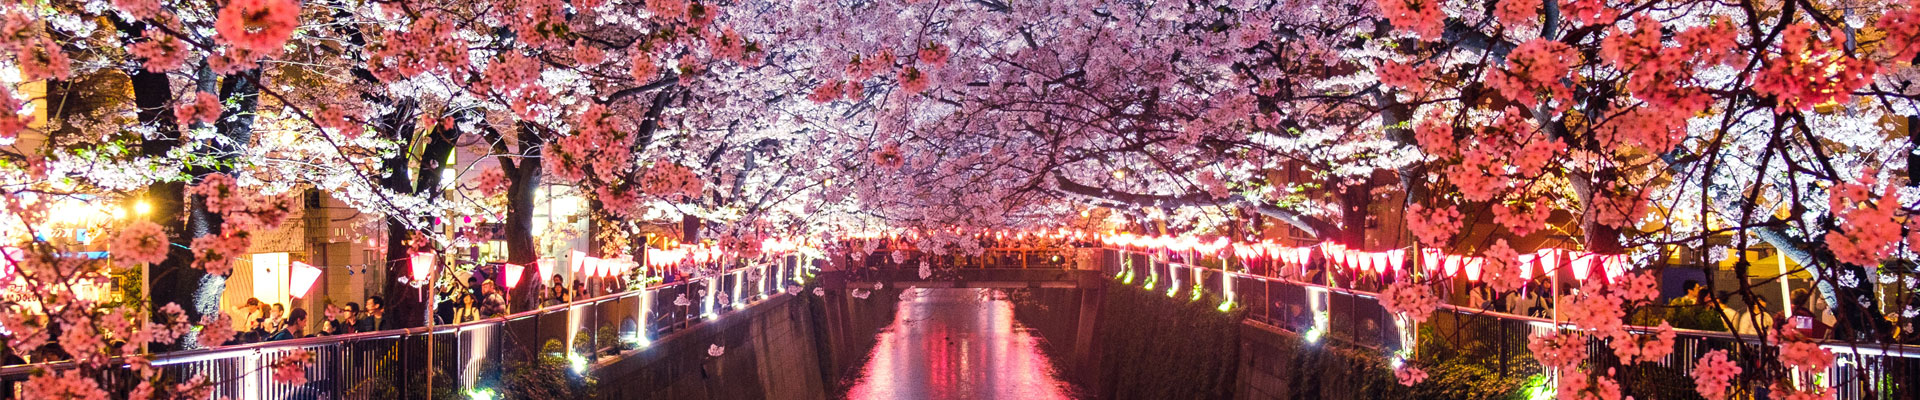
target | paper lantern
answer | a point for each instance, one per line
(513, 272)
(422, 264)
(1549, 260)
(1526, 265)
(1432, 259)
(1615, 266)
(1396, 258)
(1473, 264)
(1582, 265)
(304, 277)
(545, 266)
(578, 262)
(1452, 264)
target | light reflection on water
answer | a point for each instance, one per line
(957, 344)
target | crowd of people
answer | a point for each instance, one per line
(478, 299)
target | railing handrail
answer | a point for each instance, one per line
(217, 352)
(1879, 349)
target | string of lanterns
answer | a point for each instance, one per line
(1434, 261)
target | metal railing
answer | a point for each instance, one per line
(441, 360)
(1861, 371)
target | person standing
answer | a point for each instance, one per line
(375, 319)
(1756, 320)
(491, 303)
(296, 321)
(466, 311)
(1803, 319)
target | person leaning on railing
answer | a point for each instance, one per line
(466, 311)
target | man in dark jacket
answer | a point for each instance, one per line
(375, 319)
(296, 320)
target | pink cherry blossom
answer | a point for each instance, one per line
(1536, 67)
(1502, 269)
(1414, 300)
(12, 121)
(827, 91)
(1810, 71)
(1523, 222)
(1641, 287)
(291, 368)
(160, 52)
(1409, 375)
(888, 157)
(1589, 12)
(1555, 349)
(1871, 231)
(202, 108)
(914, 81)
(1902, 26)
(1594, 311)
(934, 55)
(1434, 227)
(258, 26)
(1643, 348)
(1806, 355)
(215, 329)
(491, 182)
(1713, 373)
(41, 60)
(215, 253)
(1518, 13)
(67, 384)
(140, 242)
(1421, 17)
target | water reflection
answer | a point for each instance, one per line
(957, 344)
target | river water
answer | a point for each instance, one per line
(957, 344)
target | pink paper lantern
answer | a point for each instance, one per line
(1582, 265)
(1549, 260)
(545, 266)
(1452, 264)
(578, 262)
(1473, 264)
(1432, 258)
(1526, 265)
(513, 273)
(422, 265)
(1396, 258)
(304, 277)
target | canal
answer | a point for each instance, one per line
(958, 344)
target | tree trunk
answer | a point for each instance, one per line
(408, 304)
(523, 181)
